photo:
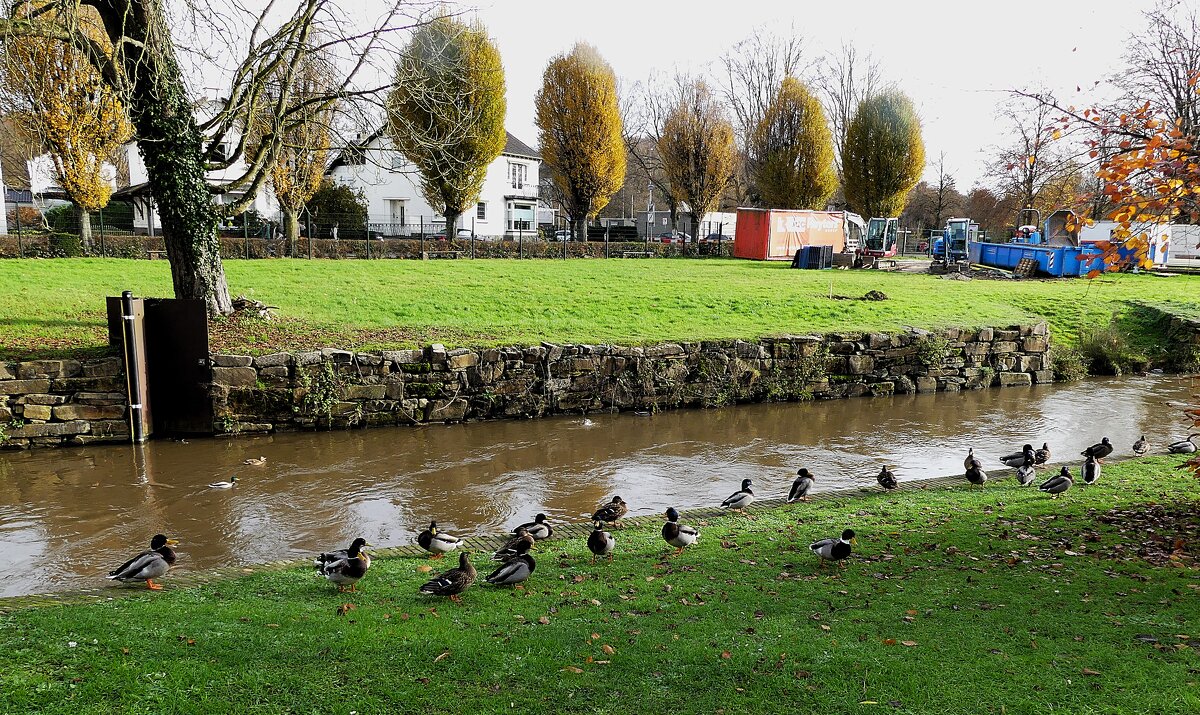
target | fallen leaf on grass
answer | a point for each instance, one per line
(824, 627)
(726, 655)
(1089, 671)
(442, 656)
(608, 649)
(272, 625)
(573, 669)
(889, 641)
(424, 568)
(595, 636)
(910, 644)
(345, 608)
(544, 620)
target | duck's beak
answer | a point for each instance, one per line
(371, 545)
(854, 539)
(172, 542)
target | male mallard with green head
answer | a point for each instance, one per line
(148, 565)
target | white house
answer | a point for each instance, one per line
(507, 205)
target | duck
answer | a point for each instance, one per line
(1141, 446)
(801, 486)
(453, 582)
(1100, 450)
(1183, 446)
(224, 485)
(515, 546)
(742, 498)
(886, 478)
(1090, 471)
(255, 461)
(676, 534)
(148, 565)
(611, 512)
(538, 528)
(1042, 456)
(975, 473)
(834, 549)
(515, 571)
(436, 542)
(1026, 473)
(601, 542)
(345, 567)
(1016, 459)
(1057, 484)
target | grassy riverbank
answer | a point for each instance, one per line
(56, 307)
(957, 600)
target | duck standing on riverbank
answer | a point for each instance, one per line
(453, 582)
(1183, 446)
(1100, 450)
(834, 549)
(1090, 470)
(346, 568)
(1041, 456)
(678, 535)
(1054, 486)
(801, 486)
(601, 542)
(887, 478)
(1026, 473)
(612, 512)
(538, 528)
(1016, 459)
(515, 546)
(742, 498)
(148, 565)
(515, 570)
(975, 473)
(1141, 446)
(437, 542)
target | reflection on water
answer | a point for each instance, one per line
(68, 516)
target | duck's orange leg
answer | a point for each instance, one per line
(153, 586)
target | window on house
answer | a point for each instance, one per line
(519, 173)
(397, 161)
(481, 211)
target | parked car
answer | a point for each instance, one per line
(715, 238)
(674, 237)
(561, 234)
(461, 233)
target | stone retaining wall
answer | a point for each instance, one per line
(45, 403)
(338, 388)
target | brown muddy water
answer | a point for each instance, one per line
(68, 516)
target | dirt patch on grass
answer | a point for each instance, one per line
(248, 334)
(1160, 534)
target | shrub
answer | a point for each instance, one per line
(932, 350)
(1068, 365)
(1106, 350)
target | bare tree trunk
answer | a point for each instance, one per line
(85, 228)
(171, 147)
(452, 224)
(291, 228)
(579, 227)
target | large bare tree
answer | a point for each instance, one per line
(1038, 167)
(844, 79)
(144, 69)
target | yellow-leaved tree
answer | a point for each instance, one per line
(790, 151)
(579, 128)
(54, 90)
(697, 151)
(446, 114)
(884, 155)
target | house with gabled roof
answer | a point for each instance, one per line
(506, 207)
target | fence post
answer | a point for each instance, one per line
(367, 226)
(606, 229)
(472, 238)
(422, 238)
(101, 212)
(520, 243)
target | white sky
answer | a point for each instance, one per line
(954, 59)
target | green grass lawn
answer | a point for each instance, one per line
(57, 306)
(957, 600)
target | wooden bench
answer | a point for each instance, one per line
(639, 254)
(151, 255)
(426, 255)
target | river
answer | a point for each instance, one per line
(67, 516)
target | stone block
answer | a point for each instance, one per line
(1015, 379)
(5, 414)
(672, 349)
(1030, 363)
(927, 384)
(462, 361)
(447, 410)
(36, 412)
(232, 360)
(24, 387)
(309, 358)
(904, 385)
(275, 372)
(1035, 344)
(976, 349)
(106, 367)
(369, 359)
(436, 353)
(88, 412)
(986, 335)
(364, 392)
(273, 360)
(491, 355)
(1008, 335)
(404, 357)
(49, 368)
(8, 371)
(1040, 329)
(860, 364)
(877, 341)
(340, 357)
(51, 429)
(1004, 346)
(46, 399)
(110, 428)
(98, 398)
(879, 389)
(234, 376)
(1042, 377)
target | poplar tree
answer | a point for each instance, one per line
(791, 151)
(884, 155)
(697, 150)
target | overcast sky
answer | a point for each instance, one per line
(955, 59)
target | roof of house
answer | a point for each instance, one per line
(512, 147)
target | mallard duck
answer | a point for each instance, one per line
(345, 567)
(1090, 471)
(255, 461)
(515, 546)
(1016, 459)
(740, 499)
(1141, 446)
(513, 572)
(1183, 446)
(611, 512)
(1100, 450)
(1026, 473)
(601, 542)
(224, 485)
(1042, 456)
(975, 473)
(801, 486)
(538, 528)
(1058, 484)
(676, 534)
(886, 478)
(436, 542)
(454, 581)
(148, 565)
(834, 549)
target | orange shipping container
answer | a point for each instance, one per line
(776, 234)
